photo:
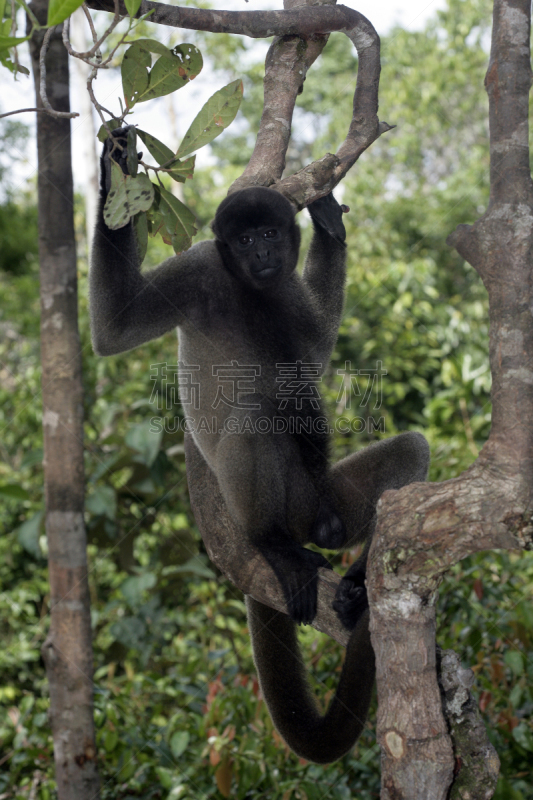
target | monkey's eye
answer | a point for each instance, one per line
(245, 239)
(271, 234)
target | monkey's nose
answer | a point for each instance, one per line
(263, 255)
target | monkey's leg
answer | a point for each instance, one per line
(254, 472)
(357, 483)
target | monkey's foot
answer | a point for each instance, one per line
(301, 587)
(351, 599)
(327, 531)
(297, 571)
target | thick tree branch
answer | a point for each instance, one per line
(286, 65)
(301, 30)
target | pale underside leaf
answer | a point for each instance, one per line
(127, 196)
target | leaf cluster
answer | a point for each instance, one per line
(153, 208)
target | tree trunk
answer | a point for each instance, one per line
(67, 651)
(423, 529)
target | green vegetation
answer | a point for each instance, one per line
(178, 709)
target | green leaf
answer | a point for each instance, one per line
(132, 159)
(154, 217)
(155, 221)
(165, 776)
(515, 661)
(170, 72)
(158, 150)
(133, 6)
(28, 535)
(181, 170)
(112, 124)
(110, 740)
(14, 491)
(32, 457)
(127, 196)
(179, 742)
(180, 222)
(133, 587)
(219, 112)
(129, 631)
(12, 41)
(523, 736)
(152, 46)
(140, 226)
(134, 72)
(145, 441)
(59, 10)
(102, 502)
(194, 566)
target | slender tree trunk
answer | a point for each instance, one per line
(67, 651)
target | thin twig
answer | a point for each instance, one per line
(74, 53)
(31, 15)
(98, 43)
(22, 111)
(42, 92)
(96, 104)
(91, 23)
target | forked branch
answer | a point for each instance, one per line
(302, 36)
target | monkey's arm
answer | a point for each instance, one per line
(325, 270)
(127, 307)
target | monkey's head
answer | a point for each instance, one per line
(257, 236)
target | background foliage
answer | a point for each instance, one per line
(179, 714)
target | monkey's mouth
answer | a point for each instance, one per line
(263, 272)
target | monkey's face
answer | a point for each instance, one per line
(263, 255)
(258, 237)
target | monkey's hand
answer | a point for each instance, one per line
(351, 599)
(326, 213)
(113, 153)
